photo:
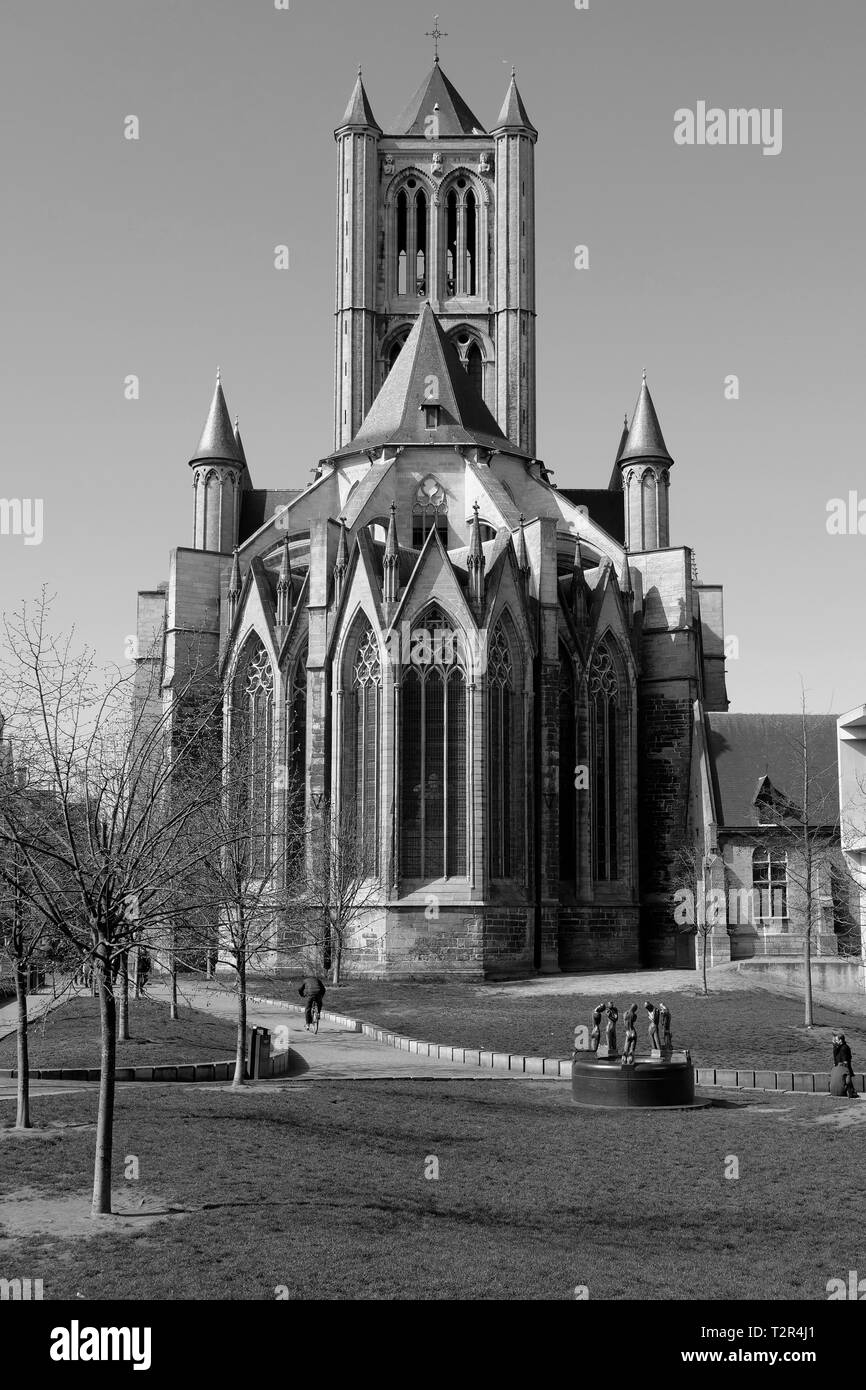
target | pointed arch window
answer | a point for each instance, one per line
(462, 241)
(433, 735)
(429, 512)
(475, 368)
(504, 758)
(567, 770)
(604, 702)
(252, 735)
(362, 748)
(411, 240)
(296, 738)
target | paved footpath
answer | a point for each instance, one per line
(334, 1053)
(37, 1004)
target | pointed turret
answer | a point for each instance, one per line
(391, 561)
(615, 484)
(626, 587)
(645, 466)
(475, 564)
(217, 443)
(520, 549)
(218, 466)
(359, 112)
(645, 439)
(234, 587)
(341, 564)
(513, 115)
(284, 590)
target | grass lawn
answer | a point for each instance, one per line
(747, 1028)
(321, 1188)
(69, 1037)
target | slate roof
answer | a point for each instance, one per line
(513, 115)
(218, 441)
(455, 117)
(746, 748)
(397, 415)
(359, 112)
(605, 508)
(645, 438)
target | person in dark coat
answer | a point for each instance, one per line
(313, 991)
(842, 1075)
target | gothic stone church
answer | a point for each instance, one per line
(508, 679)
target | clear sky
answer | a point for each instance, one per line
(155, 257)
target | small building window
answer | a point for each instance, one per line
(770, 879)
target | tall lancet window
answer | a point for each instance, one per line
(421, 244)
(296, 740)
(462, 241)
(568, 770)
(604, 702)
(363, 750)
(252, 739)
(402, 240)
(504, 758)
(433, 733)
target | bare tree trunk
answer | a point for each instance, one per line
(105, 1116)
(704, 965)
(123, 1012)
(136, 983)
(338, 959)
(22, 1119)
(172, 1013)
(241, 1049)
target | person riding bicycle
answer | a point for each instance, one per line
(313, 991)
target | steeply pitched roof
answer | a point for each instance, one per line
(455, 118)
(645, 439)
(513, 115)
(397, 415)
(748, 748)
(218, 441)
(615, 484)
(359, 112)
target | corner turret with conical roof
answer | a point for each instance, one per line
(218, 466)
(645, 465)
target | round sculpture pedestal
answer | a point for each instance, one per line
(650, 1083)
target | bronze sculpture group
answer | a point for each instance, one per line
(658, 1024)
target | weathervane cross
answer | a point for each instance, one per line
(435, 34)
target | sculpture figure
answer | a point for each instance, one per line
(595, 1035)
(630, 1036)
(610, 1038)
(665, 1028)
(653, 1022)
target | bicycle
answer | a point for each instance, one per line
(315, 1011)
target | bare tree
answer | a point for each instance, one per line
(97, 810)
(339, 887)
(695, 912)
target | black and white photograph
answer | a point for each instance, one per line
(432, 696)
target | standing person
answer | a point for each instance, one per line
(313, 991)
(842, 1076)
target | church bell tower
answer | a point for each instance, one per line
(437, 209)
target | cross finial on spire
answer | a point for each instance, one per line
(513, 70)
(359, 70)
(644, 374)
(218, 375)
(435, 34)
